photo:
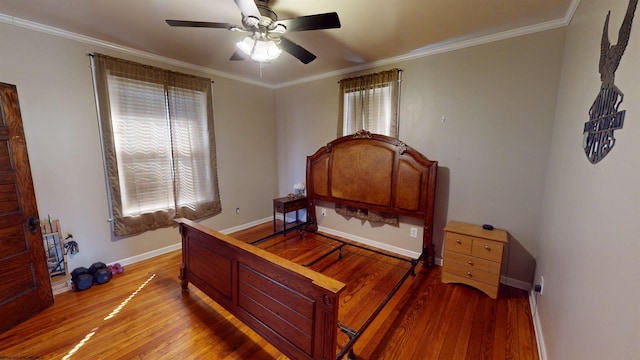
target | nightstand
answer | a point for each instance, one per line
(473, 256)
(286, 205)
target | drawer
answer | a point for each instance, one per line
(491, 290)
(296, 205)
(472, 262)
(470, 273)
(458, 243)
(289, 205)
(487, 249)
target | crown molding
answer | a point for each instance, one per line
(11, 20)
(439, 48)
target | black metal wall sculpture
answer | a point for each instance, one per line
(604, 115)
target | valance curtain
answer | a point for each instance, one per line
(158, 142)
(370, 102)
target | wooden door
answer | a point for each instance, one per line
(25, 286)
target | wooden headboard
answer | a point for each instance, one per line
(374, 172)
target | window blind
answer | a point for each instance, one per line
(158, 142)
(368, 109)
(370, 102)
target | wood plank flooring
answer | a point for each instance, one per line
(143, 314)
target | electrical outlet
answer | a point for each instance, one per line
(237, 210)
(414, 232)
(323, 212)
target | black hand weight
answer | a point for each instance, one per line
(81, 278)
(101, 274)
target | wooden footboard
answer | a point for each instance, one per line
(292, 307)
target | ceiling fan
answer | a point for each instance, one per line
(266, 39)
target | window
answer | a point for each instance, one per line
(158, 142)
(370, 102)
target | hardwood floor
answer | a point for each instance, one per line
(143, 314)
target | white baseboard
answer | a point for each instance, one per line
(518, 284)
(148, 255)
(246, 226)
(376, 244)
(178, 245)
(542, 350)
(437, 261)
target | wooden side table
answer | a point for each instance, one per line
(286, 205)
(473, 256)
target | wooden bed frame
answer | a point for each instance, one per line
(290, 305)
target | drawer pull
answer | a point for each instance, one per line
(458, 241)
(469, 273)
(487, 247)
(470, 262)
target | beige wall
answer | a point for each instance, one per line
(53, 78)
(498, 103)
(588, 241)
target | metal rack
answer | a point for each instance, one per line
(55, 254)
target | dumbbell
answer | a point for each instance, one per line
(101, 274)
(81, 278)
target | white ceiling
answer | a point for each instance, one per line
(373, 31)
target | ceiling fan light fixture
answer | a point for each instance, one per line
(267, 40)
(259, 50)
(246, 45)
(265, 51)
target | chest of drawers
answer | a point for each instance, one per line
(473, 256)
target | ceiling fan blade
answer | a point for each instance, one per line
(205, 24)
(248, 8)
(296, 50)
(237, 56)
(312, 22)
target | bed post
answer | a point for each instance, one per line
(427, 234)
(312, 223)
(184, 283)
